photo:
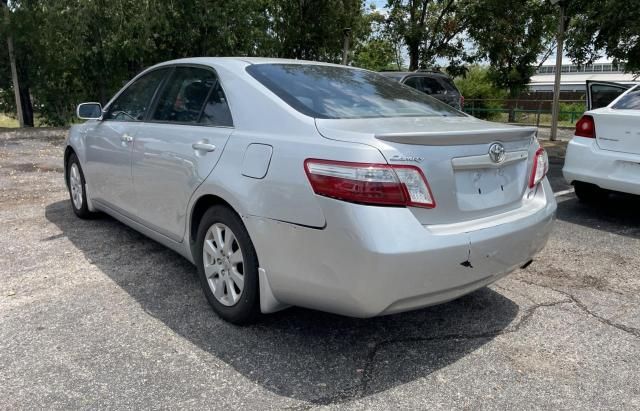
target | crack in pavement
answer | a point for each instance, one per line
(359, 390)
(630, 330)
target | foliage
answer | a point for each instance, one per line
(567, 108)
(313, 29)
(610, 28)
(377, 50)
(84, 50)
(69, 51)
(478, 91)
(511, 35)
(430, 29)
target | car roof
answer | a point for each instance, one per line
(413, 73)
(222, 61)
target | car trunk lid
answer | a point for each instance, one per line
(618, 130)
(453, 153)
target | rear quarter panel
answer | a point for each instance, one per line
(260, 117)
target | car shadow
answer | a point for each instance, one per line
(618, 214)
(303, 354)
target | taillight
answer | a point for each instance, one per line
(586, 127)
(366, 183)
(461, 102)
(540, 167)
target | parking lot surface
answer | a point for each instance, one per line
(93, 314)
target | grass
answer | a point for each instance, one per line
(8, 122)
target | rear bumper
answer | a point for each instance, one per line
(611, 170)
(372, 261)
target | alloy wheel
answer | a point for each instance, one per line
(223, 264)
(75, 182)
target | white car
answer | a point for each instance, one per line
(604, 154)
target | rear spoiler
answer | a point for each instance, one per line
(466, 137)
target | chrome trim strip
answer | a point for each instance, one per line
(484, 160)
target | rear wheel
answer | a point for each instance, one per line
(227, 265)
(77, 188)
(590, 193)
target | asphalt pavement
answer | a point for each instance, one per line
(95, 315)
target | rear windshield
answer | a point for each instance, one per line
(341, 92)
(630, 101)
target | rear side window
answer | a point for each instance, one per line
(448, 84)
(414, 82)
(630, 101)
(335, 92)
(132, 103)
(432, 86)
(183, 98)
(216, 112)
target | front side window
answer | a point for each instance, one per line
(630, 101)
(132, 103)
(335, 92)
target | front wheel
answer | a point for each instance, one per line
(227, 265)
(77, 188)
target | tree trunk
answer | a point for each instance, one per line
(513, 94)
(27, 106)
(414, 56)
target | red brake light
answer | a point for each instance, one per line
(367, 183)
(540, 167)
(461, 102)
(586, 127)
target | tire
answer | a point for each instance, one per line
(233, 300)
(77, 188)
(590, 193)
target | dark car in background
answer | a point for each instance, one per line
(432, 82)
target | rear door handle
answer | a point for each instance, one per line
(126, 138)
(203, 147)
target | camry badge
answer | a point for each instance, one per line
(497, 153)
(411, 158)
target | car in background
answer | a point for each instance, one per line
(604, 154)
(309, 184)
(432, 82)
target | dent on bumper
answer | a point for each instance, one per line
(371, 261)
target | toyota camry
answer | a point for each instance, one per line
(288, 182)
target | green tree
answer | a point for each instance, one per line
(512, 36)
(376, 51)
(430, 29)
(313, 29)
(610, 28)
(479, 91)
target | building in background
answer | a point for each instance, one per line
(574, 77)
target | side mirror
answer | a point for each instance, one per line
(89, 111)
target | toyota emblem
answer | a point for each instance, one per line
(496, 153)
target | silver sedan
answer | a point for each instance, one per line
(323, 186)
